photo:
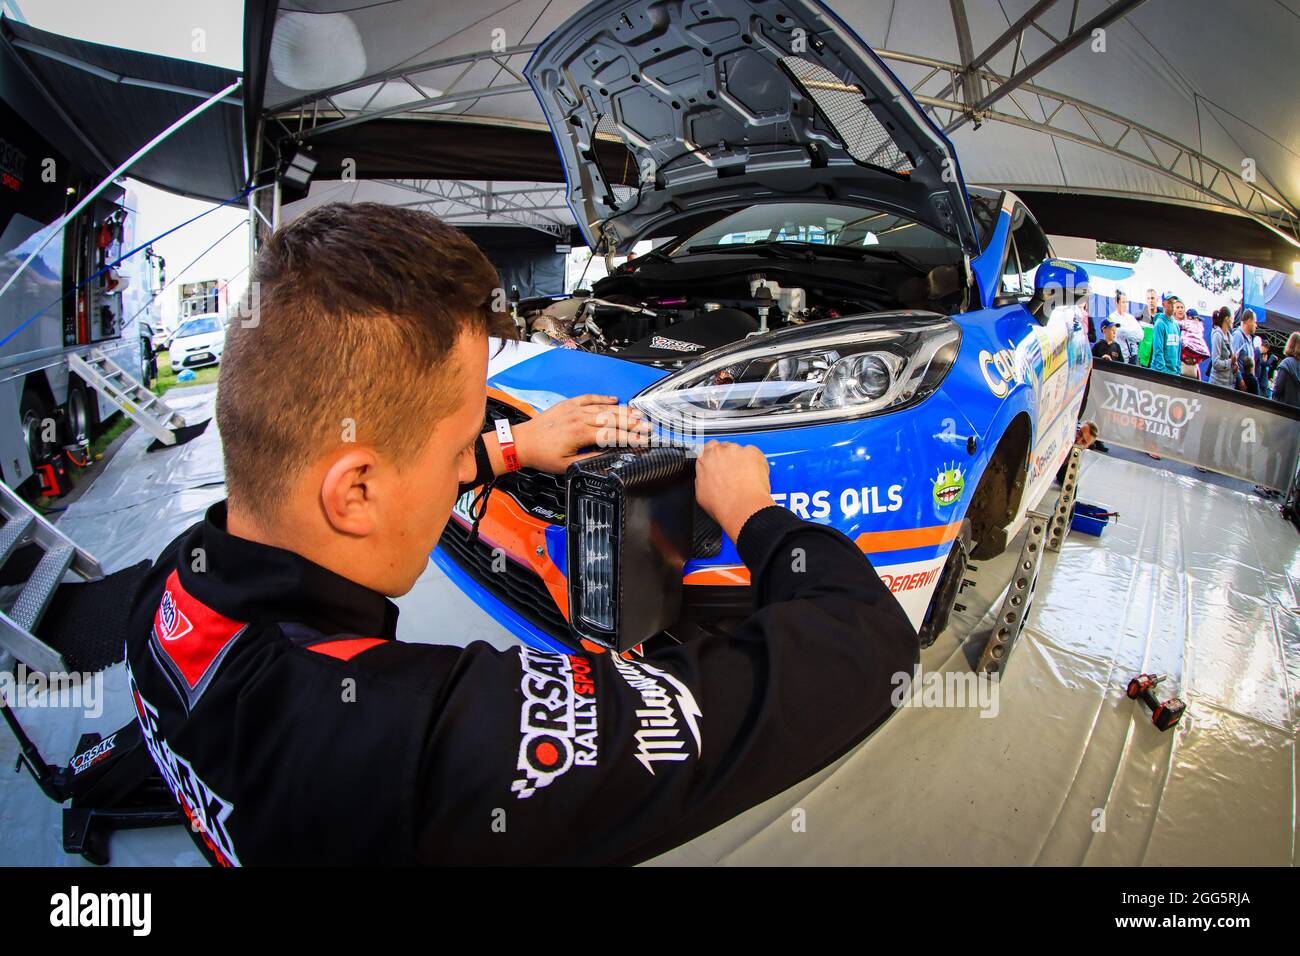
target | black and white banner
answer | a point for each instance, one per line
(1229, 432)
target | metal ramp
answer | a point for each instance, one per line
(141, 405)
(1044, 533)
(23, 526)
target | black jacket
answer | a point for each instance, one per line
(1286, 382)
(295, 729)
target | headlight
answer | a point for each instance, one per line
(810, 374)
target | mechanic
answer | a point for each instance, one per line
(294, 728)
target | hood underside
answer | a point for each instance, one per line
(726, 103)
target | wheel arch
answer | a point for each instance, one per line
(1001, 487)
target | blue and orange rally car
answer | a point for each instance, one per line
(829, 290)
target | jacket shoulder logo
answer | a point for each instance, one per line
(192, 637)
(172, 623)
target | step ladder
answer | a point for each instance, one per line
(23, 525)
(141, 405)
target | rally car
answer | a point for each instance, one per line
(832, 292)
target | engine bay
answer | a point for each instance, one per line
(658, 313)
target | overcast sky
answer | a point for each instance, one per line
(167, 28)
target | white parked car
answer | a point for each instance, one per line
(198, 341)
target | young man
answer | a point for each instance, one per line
(1152, 307)
(293, 728)
(1085, 436)
(1166, 340)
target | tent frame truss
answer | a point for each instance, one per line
(969, 91)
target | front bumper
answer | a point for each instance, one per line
(903, 527)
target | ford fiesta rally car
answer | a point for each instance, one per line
(832, 293)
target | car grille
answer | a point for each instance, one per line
(517, 587)
(540, 494)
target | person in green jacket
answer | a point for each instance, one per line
(1166, 339)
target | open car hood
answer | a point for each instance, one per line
(726, 103)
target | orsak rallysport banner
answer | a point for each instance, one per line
(1229, 432)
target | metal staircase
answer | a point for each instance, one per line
(141, 405)
(23, 526)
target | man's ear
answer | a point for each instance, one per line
(347, 491)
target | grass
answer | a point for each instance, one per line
(167, 376)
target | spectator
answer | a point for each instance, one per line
(1152, 307)
(1286, 383)
(1107, 346)
(1266, 370)
(1166, 344)
(1193, 336)
(1085, 435)
(1248, 381)
(1223, 365)
(1129, 330)
(1243, 346)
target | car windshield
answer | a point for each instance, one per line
(849, 228)
(198, 327)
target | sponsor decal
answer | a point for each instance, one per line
(1054, 340)
(88, 758)
(814, 505)
(12, 161)
(949, 485)
(999, 369)
(675, 345)
(910, 582)
(207, 812)
(1041, 461)
(1143, 409)
(557, 720)
(669, 715)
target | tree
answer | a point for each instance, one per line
(1118, 252)
(1214, 274)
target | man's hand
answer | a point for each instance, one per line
(731, 483)
(553, 440)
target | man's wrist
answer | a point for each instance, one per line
(494, 453)
(733, 520)
(493, 445)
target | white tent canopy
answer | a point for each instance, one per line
(1184, 107)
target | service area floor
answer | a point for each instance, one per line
(1196, 580)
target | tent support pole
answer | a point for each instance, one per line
(90, 196)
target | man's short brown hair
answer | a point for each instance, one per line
(345, 335)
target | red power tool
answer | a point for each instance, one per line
(1164, 714)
